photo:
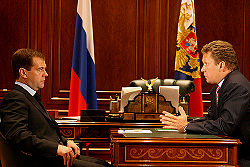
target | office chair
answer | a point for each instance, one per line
(9, 157)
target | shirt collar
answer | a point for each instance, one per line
(221, 82)
(26, 87)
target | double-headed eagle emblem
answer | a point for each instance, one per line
(150, 86)
(187, 56)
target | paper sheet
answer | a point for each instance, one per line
(135, 131)
(128, 93)
(68, 119)
(166, 130)
(65, 121)
(71, 118)
(171, 93)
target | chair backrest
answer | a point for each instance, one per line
(8, 156)
(186, 86)
(139, 83)
(156, 84)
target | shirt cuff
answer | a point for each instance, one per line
(185, 128)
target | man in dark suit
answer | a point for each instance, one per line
(229, 113)
(28, 126)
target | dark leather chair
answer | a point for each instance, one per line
(185, 86)
(9, 158)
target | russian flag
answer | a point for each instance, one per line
(83, 83)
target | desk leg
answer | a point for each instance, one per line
(87, 148)
(114, 154)
(81, 146)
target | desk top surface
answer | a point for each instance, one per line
(161, 133)
(165, 136)
(66, 123)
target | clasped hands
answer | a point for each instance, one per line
(69, 152)
(174, 122)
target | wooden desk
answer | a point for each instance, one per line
(94, 137)
(97, 130)
(172, 149)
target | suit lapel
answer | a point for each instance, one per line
(218, 108)
(215, 107)
(39, 107)
(221, 90)
(34, 102)
(213, 96)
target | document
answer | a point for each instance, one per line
(66, 121)
(166, 130)
(70, 118)
(171, 93)
(128, 93)
(134, 131)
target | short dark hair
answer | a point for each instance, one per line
(222, 51)
(23, 58)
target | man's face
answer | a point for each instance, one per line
(211, 69)
(36, 75)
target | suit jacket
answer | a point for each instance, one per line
(28, 126)
(231, 116)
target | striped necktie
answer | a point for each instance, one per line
(217, 94)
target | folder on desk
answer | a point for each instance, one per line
(93, 115)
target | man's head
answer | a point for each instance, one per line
(29, 68)
(219, 59)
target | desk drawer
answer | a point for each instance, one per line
(68, 132)
(94, 132)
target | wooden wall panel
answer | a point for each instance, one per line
(58, 28)
(13, 34)
(133, 39)
(64, 36)
(246, 36)
(216, 21)
(115, 46)
(174, 11)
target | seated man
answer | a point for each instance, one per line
(27, 125)
(229, 113)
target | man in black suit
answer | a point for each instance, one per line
(229, 113)
(28, 126)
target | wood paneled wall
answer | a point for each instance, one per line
(133, 39)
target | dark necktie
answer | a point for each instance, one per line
(54, 124)
(38, 97)
(39, 100)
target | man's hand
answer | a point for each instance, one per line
(174, 122)
(67, 154)
(72, 144)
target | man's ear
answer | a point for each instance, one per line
(23, 73)
(223, 66)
